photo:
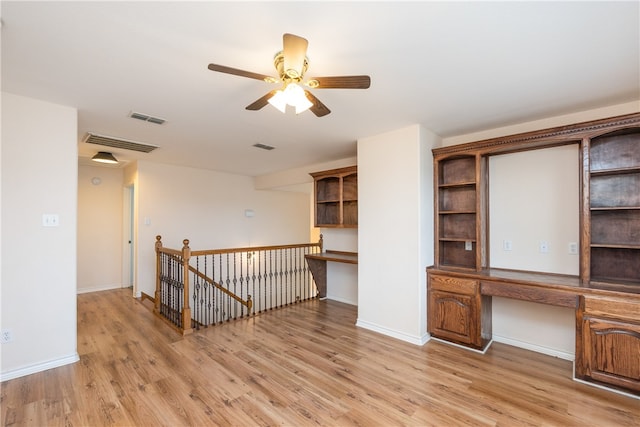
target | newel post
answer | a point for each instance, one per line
(186, 309)
(156, 302)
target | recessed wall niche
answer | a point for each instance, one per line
(534, 199)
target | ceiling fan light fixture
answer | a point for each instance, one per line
(104, 157)
(303, 105)
(292, 95)
(279, 100)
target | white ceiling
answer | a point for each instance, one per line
(454, 67)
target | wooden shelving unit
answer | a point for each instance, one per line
(614, 182)
(459, 212)
(336, 198)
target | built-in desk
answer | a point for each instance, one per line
(607, 319)
(318, 266)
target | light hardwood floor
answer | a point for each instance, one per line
(302, 365)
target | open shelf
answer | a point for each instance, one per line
(614, 190)
(336, 198)
(457, 216)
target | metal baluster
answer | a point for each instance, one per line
(255, 284)
(281, 280)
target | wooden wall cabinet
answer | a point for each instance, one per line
(608, 342)
(336, 198)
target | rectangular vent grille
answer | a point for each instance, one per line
(147, 118)
(263, 146)
(108, 141)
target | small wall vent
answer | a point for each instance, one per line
(264, 146)
(124, 144)
(146, 118)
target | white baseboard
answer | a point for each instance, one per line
(464, 347)
(602, 387)
(413, 339)
(98, 289)
(39, 367)
(342, 300)
(534, 347)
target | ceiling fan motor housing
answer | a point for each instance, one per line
(291, 75)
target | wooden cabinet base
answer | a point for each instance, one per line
(457, 312)
(608, 343)
(607, 322)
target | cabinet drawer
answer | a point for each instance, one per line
(608, 307)
(454, 285)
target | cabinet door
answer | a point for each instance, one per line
(454, 317)
(610, 352)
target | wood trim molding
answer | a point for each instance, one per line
(542, 138)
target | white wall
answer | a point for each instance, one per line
(100, 239)
(395, 231)
(208, 208)
(535, 196)
(537, 327)
(39, 176)
(342, 279)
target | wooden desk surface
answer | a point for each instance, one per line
(335, 256)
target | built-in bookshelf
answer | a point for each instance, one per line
(457, 211)
(614, 182)
(336, 198)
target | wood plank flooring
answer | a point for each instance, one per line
(303, 365)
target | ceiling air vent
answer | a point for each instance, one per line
(146, 118)
(264, 146)
(108, 141)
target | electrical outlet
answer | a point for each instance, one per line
(468, 245)
(6, 336)
(573, 248)
(544, 247)
(507, 245)
(50, 220)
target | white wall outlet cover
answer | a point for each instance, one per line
(544, 247)
(50, 220)
(6, 336)
(249, 213)
(573, 248)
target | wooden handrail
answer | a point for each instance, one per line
(256, 248)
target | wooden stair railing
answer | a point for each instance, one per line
(196, 289)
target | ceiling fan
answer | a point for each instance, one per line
(291, 64)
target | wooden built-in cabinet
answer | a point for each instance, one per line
(459, 194)
(606, 293)
(456, 311)
(336, 198)
(608, 340)
(614, 186)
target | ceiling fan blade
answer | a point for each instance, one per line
(343, 82)
(261, 102)
(294, 52)
(237, 72)
(318, 108)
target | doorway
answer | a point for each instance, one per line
(128, 252)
